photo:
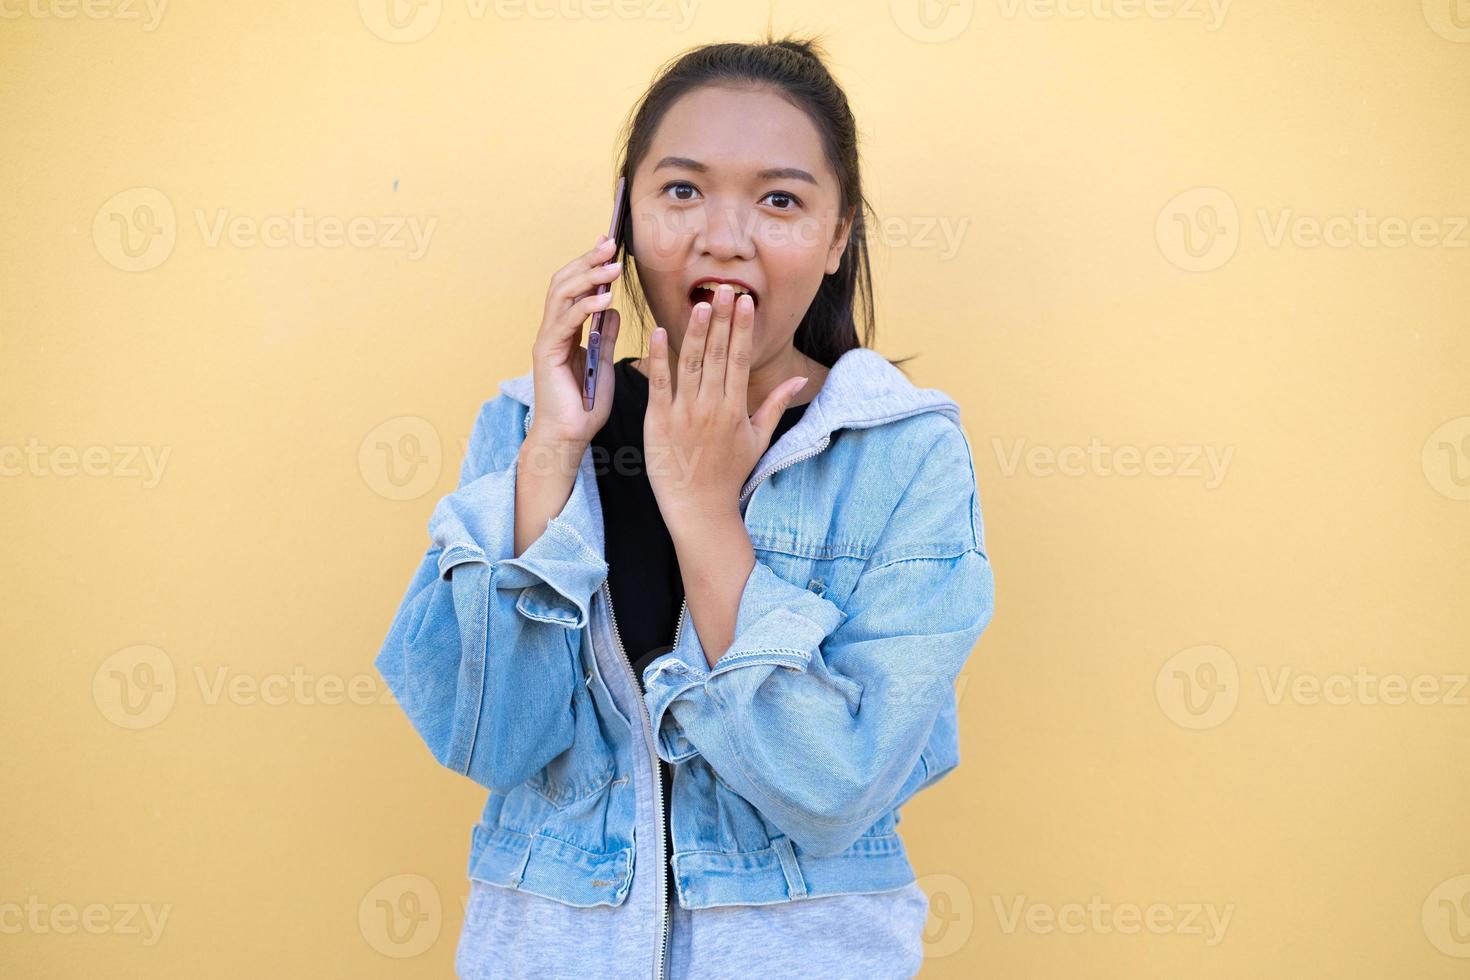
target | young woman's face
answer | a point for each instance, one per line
(735, 186)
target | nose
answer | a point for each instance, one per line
(726, 235)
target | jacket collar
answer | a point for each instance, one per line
(861, 390)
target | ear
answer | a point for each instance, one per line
(839, 241)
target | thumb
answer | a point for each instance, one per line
(776, 402)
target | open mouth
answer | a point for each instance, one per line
(704, 292)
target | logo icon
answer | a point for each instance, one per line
(401, 21)
(951, 915)
(136, 229)
(1446, 917)
(1199, 229)
(401, 458)
(1199, 687)
(1446, 458)
(1450, 19)
(932, 21)
(401, 915)
(135, 687)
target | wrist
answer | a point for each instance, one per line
(544, 435)
(694, 517)
(544, 455)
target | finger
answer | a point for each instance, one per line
(776, 403)
(717, 346)
(691, 352)
(586, 281)
(574, 283)
(595, 256)
(660, 386)
(570, 322)
(737, 370)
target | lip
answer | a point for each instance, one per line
(706, 280)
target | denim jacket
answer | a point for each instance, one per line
(832, 707)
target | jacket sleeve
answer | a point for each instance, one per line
(482, 653)
(825, 719)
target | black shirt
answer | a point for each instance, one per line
(643, 568)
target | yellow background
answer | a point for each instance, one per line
(314, 401)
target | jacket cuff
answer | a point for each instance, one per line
(557, 574)
(777, 624)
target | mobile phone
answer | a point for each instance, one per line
(594, 339)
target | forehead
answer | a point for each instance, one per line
(738, 131)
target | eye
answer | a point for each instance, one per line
(795, 201)
(680, 183)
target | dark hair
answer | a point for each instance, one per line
(793, 67)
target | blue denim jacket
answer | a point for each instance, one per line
(833, 706)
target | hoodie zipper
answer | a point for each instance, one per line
(796, 458)
(658, 794)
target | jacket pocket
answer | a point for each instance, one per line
(824, 570)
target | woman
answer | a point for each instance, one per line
(706, 781)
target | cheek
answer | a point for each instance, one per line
(804, 235)
(661, 240)
(792, 278)
(794, 249)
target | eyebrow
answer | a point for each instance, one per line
(772, 173)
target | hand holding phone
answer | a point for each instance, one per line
(594, 339)
(560, 364)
